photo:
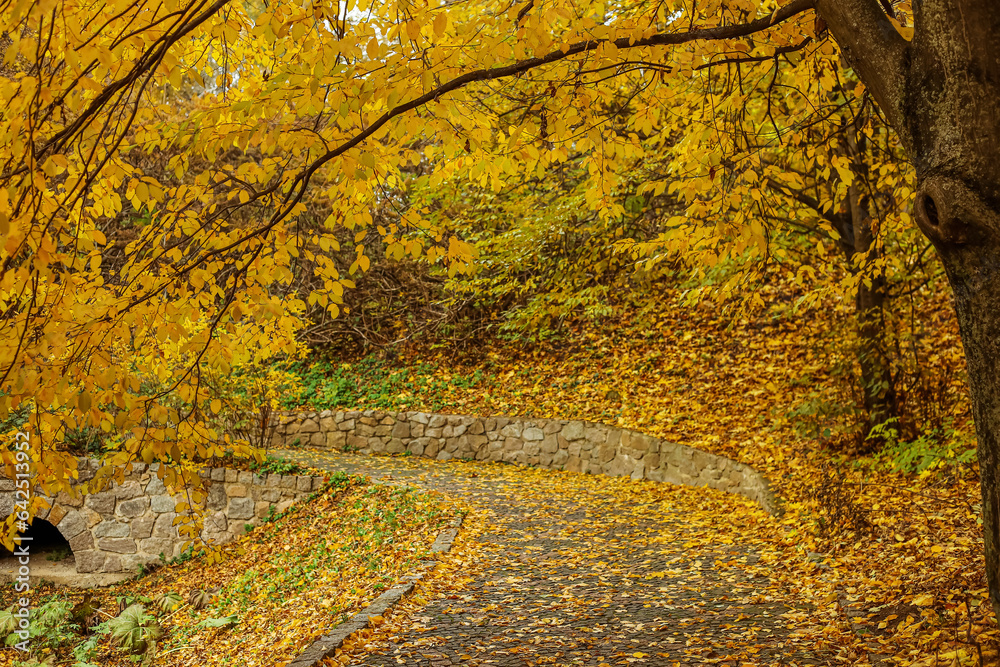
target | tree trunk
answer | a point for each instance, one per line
(941, 93)
(859, 236)
(973, 268)
(876, 372)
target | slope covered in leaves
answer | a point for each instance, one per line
(765, 389)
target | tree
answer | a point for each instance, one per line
(297, 103)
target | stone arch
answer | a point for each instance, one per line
(113, 532)
(45, 540)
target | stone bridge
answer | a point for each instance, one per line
(132, 523)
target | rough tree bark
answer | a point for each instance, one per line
(941, 93)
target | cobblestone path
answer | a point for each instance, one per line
(581, 570)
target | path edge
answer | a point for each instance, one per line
(327, 645)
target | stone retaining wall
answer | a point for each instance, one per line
(576, 446)
(132, 523)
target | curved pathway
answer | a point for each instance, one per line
(584, 570)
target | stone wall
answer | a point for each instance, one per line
(576, 446)
(132, 523)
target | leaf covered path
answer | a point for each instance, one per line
(570, 569)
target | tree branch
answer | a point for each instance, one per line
(876, 51)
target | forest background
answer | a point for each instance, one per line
(614, 211)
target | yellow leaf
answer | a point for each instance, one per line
(440, 24)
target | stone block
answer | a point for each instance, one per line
(477, 428)
(368, 421)
(532, 448)
(216, 497)
(245, 478)
(356, 442)
(240, 508)
(436, 421)
(216, 523)
(218, 475)
(401, 430)
(161, 504)
(552, 426)
(419, 418)
(596, 434)
(641, 442)
(432, 448)
(284, 505)
(236, 491)
(55, 515)
(102, 503)
(154, 546)
(92, 517)
(118, 545)
(512, 430)
(444, 456)
(327, 423)
(417, 430)
(346, 425)
(273, 481)
(67, 500)
(164, 526)
(155, 487)
(652, 461)
(89, 561)
(231, 475)
(550, 445)
(518, 457)
(133, 508)
(533, 434)
(559, 458)
(512, 444)
(142, 527)
(270, 495)
(72, 524)
(82, 542)
(376, 445)
(303, 483)
(573, 431)
(288, 481)
(383, 431)
(434, 432)
(336, 440)
(261, 509)
(111, 529)
(309, 426)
